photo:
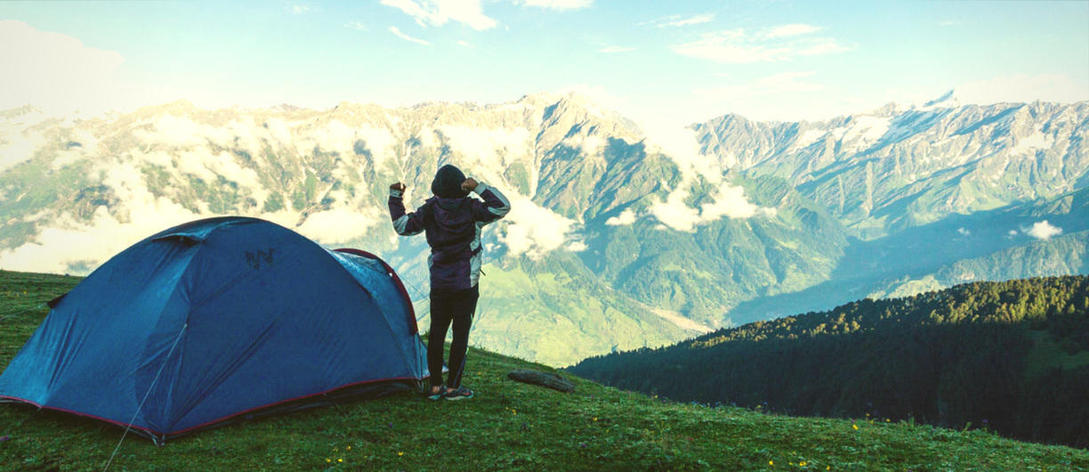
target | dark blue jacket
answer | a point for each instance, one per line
(452, 227)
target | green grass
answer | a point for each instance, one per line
(508, 426)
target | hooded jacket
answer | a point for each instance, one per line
(452, 222)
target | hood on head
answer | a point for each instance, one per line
(447, 183)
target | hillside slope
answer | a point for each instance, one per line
(1013, 356)
(509, 426)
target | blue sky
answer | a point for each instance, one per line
(681, 61)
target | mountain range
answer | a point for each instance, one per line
(618, 238)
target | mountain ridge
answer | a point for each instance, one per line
(655, 224)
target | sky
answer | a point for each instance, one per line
(680, 61)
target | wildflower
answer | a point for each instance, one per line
(595, 418)
(802, 464)
(340, 460)
(771, 462)
(348, 448)
(328, 459)
(855, 426)
(400, 453)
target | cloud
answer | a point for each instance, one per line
(682, 146)
(299, 9)
(625, 218)
(397, 32)
(439, 12)
(464, 43)
(534, 231)
(674, 21)
(964, 232)
(615, 49)
(1023, 88)
(556, 4)
(775, 97)
(55, 71)
(356, 25)
(779, 43)
(786, 31)
(340, 225)
(777, 84)
(727, 200)
(1043, 230)
(66, 242)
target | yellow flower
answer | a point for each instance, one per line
(771, 462)
(802, 463)
(855, 426)
(328, 459)
(595, 418)
(340, 460)
(827, 467)
(399, 453)
(348, 448)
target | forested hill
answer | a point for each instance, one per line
(1008, 356)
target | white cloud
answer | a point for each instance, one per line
(777, 84)
(439, 12)
(673, 21)
(557, 4)
(340, 225)
(67, 242)
(964, 232)
(625, 218)
(775, 97)
(773, 44)
(356, 25)
(299, 9)
(464, 43)
(397, 32)
(534, 231)
(54, 71)
(728, 200)
(796, 29)
(1043, 230)
(681, 145)
(1023, 88)
(615, 49)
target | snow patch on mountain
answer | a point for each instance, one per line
(1031, 143)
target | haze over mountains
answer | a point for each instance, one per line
(615, 241)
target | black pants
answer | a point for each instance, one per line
(446, 308)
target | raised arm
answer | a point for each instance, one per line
(494, 206)
(405, 224)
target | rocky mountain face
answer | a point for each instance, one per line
(615, 240)
(896, 168)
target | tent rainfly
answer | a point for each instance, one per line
(218, 320)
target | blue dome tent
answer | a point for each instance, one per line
(216, 320)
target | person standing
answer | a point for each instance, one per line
(452, 223)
